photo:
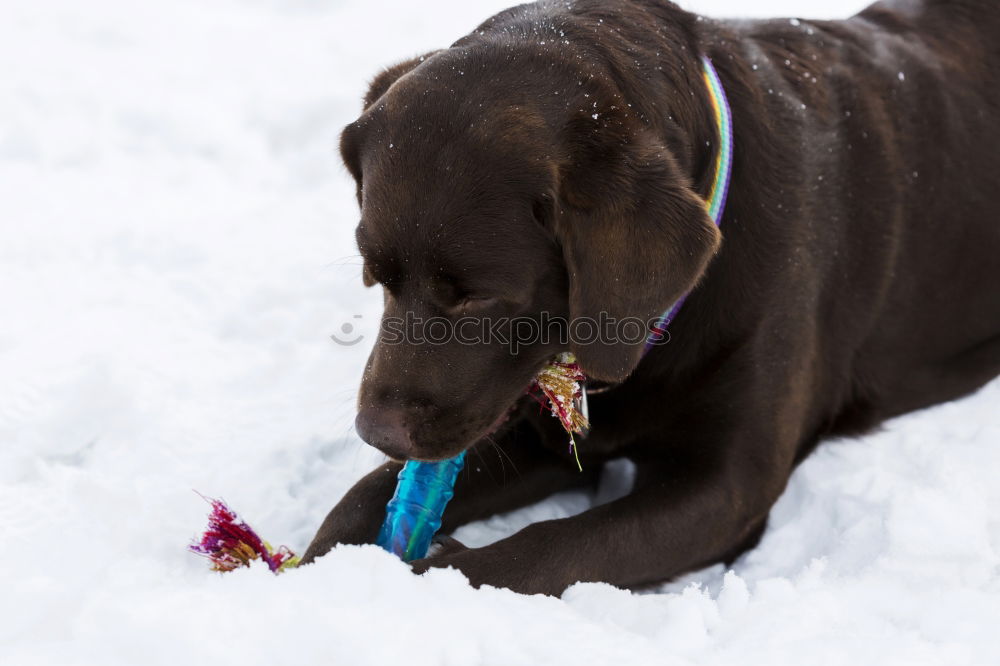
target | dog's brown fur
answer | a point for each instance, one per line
(556, 160)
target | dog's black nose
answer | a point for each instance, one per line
(386, 430)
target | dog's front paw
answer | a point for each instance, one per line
(447, 552)
(495, 565)
(444, 545)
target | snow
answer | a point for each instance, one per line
(175, 249)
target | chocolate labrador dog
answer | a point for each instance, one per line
(555, 164)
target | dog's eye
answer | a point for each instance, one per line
(541, 209)
(475, 303)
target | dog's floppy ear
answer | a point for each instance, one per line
(635, 237)
(350, 138)
(384, 79)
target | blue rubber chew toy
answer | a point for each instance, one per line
(413, 515)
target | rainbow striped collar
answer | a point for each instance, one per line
(716, 203)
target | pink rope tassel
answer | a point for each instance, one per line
(230, 543)
(561, 384)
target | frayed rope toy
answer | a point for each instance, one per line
(229, 543)
(561, 383)
(423, 490)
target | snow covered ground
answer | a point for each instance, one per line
(175, 249)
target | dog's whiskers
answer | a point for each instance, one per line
(484, 464)
(501, 454)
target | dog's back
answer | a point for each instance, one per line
(937, 334)
(880, 139)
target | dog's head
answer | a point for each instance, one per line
(493, 213)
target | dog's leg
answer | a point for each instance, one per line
(503, 476)
(949, 379)
(358, 515)
(675, 519)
